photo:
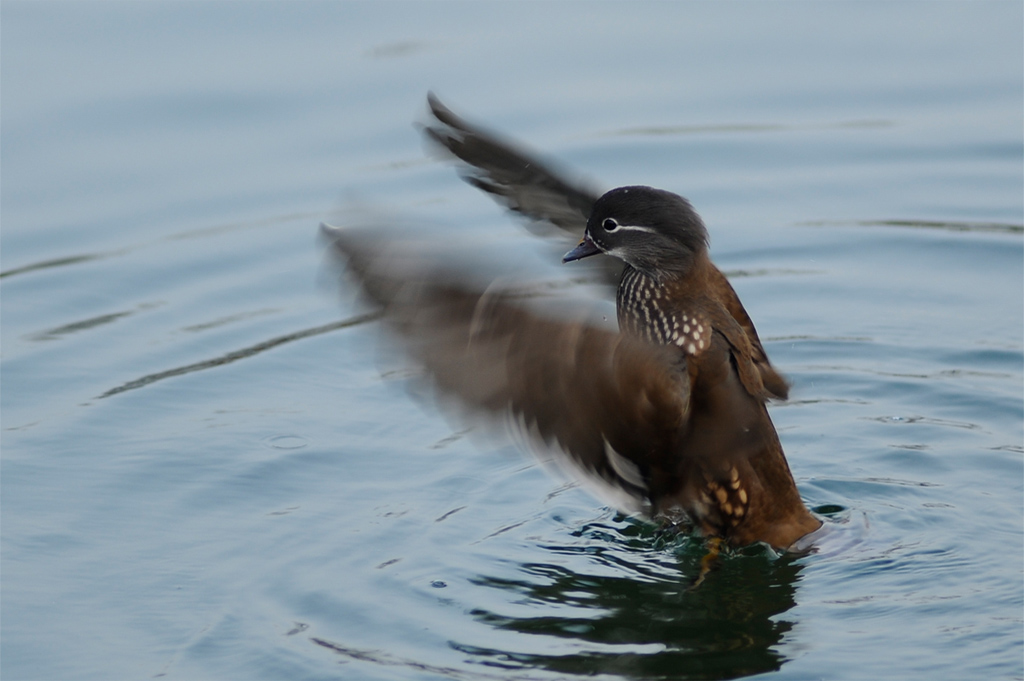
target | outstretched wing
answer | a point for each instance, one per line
(613, 406)
(557, 203)
(537, 189)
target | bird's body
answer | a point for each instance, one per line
(724, 466)
(671, 411)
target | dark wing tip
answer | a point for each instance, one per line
(776, 385)
(442, 112)
(556, 201)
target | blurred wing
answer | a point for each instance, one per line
(611, 405)
(534, 188)
(521, 182)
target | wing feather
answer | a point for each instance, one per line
(577, 386)
(521, 181)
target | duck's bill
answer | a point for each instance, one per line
(586, 248)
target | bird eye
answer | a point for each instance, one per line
(609, 225)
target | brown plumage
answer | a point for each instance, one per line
(669, 412)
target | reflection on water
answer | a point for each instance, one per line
(55, 262)
(236, 355)
(200, 233)
(621, 601)
(635, 613)
(84, 324)
(648, 131)
(946, 225)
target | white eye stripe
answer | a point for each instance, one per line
(634, 228)
(612, 225)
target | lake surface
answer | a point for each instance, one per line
(210, 470)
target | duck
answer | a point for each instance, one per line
(667, 414)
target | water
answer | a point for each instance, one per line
(209, 470)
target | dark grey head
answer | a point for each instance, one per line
(651, 229)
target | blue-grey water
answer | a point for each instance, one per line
(211, 471)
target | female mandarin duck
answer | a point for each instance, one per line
(669, 412)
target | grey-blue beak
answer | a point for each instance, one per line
(586, 248)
